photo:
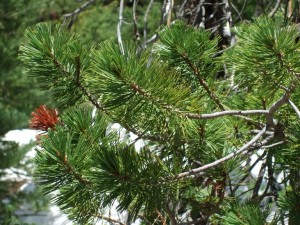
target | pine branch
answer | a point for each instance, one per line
(162, 100)
(132, 87)
(244, 148)
(84, 90)
(70, 169)
(57, 64)
(202, 82)
(139, 133)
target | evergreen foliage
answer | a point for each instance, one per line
(198, 129)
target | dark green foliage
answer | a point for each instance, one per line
(177, 46)
(247, 214)
(69, 149)
(52, 54)
(289, 204)
(137, 180)
(139, 90)
(96, 172)
(266, 59)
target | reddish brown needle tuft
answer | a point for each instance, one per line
(43, 118)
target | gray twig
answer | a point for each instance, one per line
(275, 9)
(73, 15)
(225, 158)
(136, 31)
(119, 34)
(225, 113)
(145, 21)
(109, 219)
(295, 108)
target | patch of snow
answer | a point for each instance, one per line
(22, 137)
(5, 200)
(139, 143)
(53, 217)
(280, 177)
(256, 169)
(14, 174)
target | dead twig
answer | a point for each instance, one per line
(73, 15)
(119, 34)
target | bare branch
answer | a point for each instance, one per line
(273, 145)
(119, 34)
(171, 4)
(136, 31)
(228, 16)
(276, 105)
(271, 179)
(290, 8)
(272, 13)
(73, 15)
(224, 159)
(225, 113)
(197, 221)
(109, 219)
(199, 8)
(181, 9)
(239, 12)
(249, 170)
(145, 20)
(259, 179)
(152, 39)
(295, 108)
(171, 215)
(163, 12)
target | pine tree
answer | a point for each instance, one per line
(198, 129)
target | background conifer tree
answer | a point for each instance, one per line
(202, 97)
